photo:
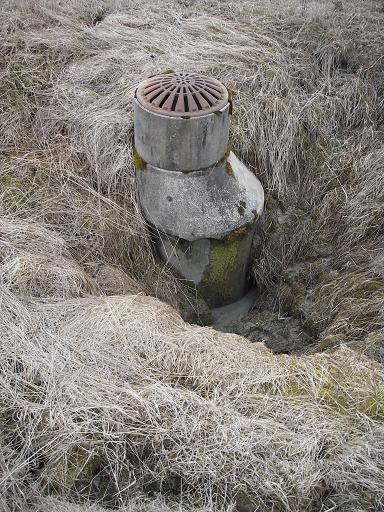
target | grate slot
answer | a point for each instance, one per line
(152, 96)
(174, 102)
(212, 92)
(205, 96)
(186, 102)
(164, 99)
(198, 104)
(180, 103)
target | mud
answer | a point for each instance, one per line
(258, 320)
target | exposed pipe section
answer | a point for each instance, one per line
(201, 200)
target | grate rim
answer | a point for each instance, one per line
(182, 94)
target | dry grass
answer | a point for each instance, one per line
(115, 399)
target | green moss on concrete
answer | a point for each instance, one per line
(226, 261)
(223, 259)
(196, 309)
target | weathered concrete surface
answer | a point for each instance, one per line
(210, 203)
(189, 259)
(218, 268)
(179, 144)
(226, 316)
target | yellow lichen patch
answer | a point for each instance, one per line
(229, 169)
(231, 92)
(241, 207)
(138, 162)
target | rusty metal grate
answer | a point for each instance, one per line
(182, 94)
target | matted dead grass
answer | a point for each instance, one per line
(104, 398)
(108, 398)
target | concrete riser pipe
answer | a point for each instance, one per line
(200, 200)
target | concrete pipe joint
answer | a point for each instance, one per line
(201, 201)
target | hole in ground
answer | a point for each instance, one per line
(258, 317)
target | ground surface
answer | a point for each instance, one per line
(108, 397)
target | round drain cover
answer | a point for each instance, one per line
(182, 94)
